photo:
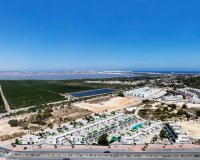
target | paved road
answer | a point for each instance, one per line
(85, 154)
(104, 158)
(4, 149)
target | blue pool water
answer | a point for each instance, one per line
(137, 126)
(92, 92)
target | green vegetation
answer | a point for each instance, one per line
(19, 94)
(143, 112)
(172, 106)
(13, 122)
(2, 107)
(103, 140)
(146, 101)
(198, 113)
(163, 134)
(192, 82)
(120, 94)
(163, 113)
(41, 116)
(184, 106)
(60, 87)
(25, 93)
(18, 142)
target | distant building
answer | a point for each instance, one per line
(192, 93)
(146, 93)
(173, 99)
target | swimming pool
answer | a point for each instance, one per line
(92, 92)
(139, 125)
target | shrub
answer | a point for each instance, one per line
(173, 106)
(13, 122)
(181, 112)
(184, 106)
(198, 113)
(120, 94)
(163, 134)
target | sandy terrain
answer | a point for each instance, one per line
(7, 130)
(193, 105)
(67, 113)
(192, 128)
(113, 104)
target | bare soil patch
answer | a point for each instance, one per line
(63, 115)
(192, 128)
(112, 104)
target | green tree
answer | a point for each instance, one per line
(50, 125)
(165, 109)
(181, 112)
(103, 140)
(163, 134)
(198, 113)
(184, 106)
(120, 94)
(173, 106)
(47, 113)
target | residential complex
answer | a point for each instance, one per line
(173, 99)
(146, 93)
(176, 133)
(192, 94)
(82, 131)
(141, 131)
(121, 129)
(118, 82)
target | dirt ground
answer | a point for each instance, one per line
(112, 104)
(6, 131)
(192, 128)
(67, 114)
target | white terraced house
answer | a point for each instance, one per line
(193, 93)
(173, 99)
(176, 133)
(82, 131)
(141, 130)
(146, 93)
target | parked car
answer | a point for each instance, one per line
(106, 152)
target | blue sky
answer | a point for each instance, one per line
(45, 35)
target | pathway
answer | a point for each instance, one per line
(4, 100)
